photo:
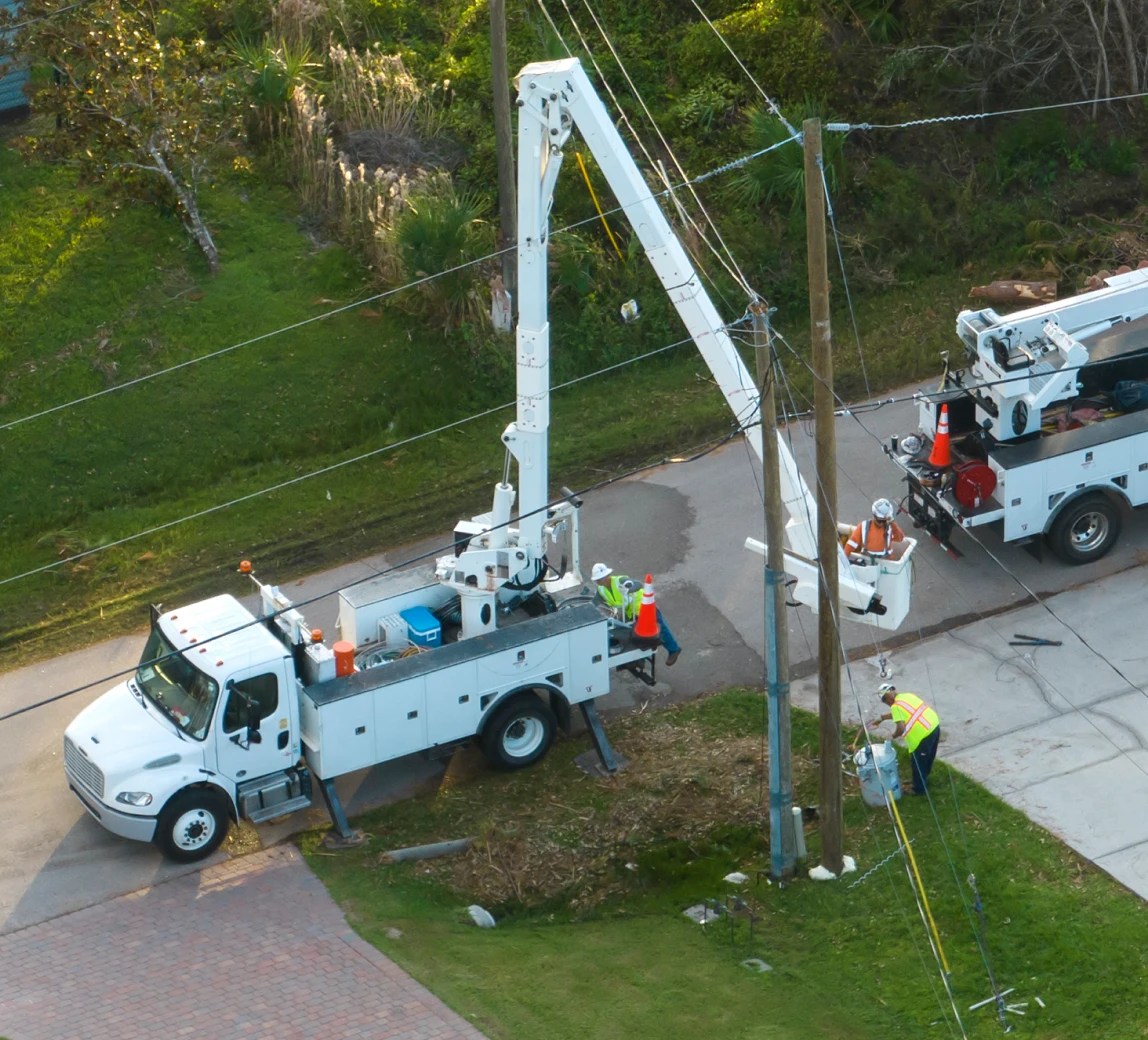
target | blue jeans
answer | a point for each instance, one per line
(922, 760)
(665, 635)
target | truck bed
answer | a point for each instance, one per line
(1024, 453)
(441, 695)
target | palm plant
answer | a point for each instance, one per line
(271, 73)
(779, 175)
(436, 238)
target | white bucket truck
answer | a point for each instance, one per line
(233, 714)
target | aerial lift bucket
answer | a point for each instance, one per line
(864, 590)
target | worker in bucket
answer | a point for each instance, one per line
(881, 537)
(623, 595)
(920, 727)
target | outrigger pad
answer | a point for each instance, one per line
(591, 764)
(334, 840)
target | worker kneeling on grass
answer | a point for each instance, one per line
(919, 725)
(623, 595)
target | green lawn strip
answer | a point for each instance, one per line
(587, 879)
(96, 291)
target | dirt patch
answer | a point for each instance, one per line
(589, 842)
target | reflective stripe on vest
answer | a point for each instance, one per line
(918, 716)
(865, 526)
(618, 598)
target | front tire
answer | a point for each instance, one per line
(1086, 529)
(192, 826)
(519, 732)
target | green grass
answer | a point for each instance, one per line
(589, 947)
(94, 295)
(97, 292)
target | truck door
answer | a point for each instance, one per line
(255, 732)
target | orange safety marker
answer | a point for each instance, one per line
(941, 455)
(646, 625)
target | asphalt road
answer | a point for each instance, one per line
(684, 523)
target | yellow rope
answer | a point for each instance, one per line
(597, 206)
(917, 878)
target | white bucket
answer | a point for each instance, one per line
(877, 771)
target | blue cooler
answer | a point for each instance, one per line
(423, 628)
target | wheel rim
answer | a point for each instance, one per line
(194, 829)
(1089, 532)
(523, 737)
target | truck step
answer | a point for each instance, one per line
(270, 812)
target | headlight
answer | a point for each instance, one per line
(134, 798)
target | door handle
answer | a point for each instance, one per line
(284, 738)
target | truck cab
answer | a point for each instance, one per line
(171, 753)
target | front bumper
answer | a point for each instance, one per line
(126, 825)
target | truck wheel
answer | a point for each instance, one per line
(192, 826)
(519, 733)
(1085, 529)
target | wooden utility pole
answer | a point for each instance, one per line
(504, 147)
(829, 654)
(783, 855)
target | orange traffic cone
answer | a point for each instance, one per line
(941, 456)
(646, 625)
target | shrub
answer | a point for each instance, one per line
(779, 175)
(438, 233)
(783, 45)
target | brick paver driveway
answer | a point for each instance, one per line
(250, 948)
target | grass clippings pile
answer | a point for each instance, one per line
(579, 841)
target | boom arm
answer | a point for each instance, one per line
(1032, 358)
(553, 98)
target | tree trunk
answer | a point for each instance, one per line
(189, 208)
(1129, 48)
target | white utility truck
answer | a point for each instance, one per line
(234, 715)
(1047, 431)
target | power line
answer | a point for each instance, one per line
(44, 17)
(969, 116)
(244, 343)
(654, 196)
(1032, 595)
(695, 454)
(363, 456)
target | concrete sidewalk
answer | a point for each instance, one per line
(1058, 732)
(250, 948)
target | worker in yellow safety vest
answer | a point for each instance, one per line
(623, 595)
(919, 725)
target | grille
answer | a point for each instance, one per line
(83, 769)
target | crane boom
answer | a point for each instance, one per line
(554, 97)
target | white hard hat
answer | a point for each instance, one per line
(883, 509)
(886, 687)
(600, 571)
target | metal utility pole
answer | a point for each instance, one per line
(504, 146)
(829, 654)
(782, 849)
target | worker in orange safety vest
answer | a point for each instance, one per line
(919, 725)
(880, 537)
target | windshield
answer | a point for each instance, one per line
(182, 692)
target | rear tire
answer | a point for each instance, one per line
(519, 732)
(192, 826)
(1085, 530)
